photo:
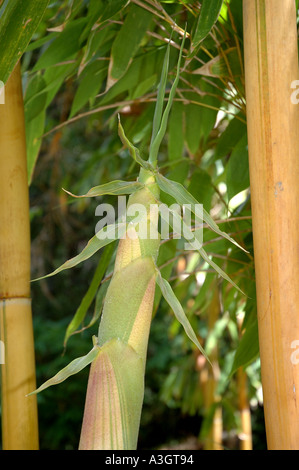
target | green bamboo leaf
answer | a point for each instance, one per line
(116, 188)
(229, 138)
(127, 42)
(224, 65)
(90, 294)
(178, 310)
(248, 348)
(161, 95)
(34, 131)
(91, 81)
(218, 269)
(99, 303)
(182, 196)
(195, 242)
(175, 131)
(64, 47)
(102, 10)
(101, 239)
(35, 97)
(71, 369)
(209, 13)
(154, 148)
(134, 152)
(237, 170)
(18, 22)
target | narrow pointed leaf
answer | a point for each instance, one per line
(90, 294)
(248, 348)
(134, 152)
(223, 65)
(127, 42)
(178, 310)
(18, 22)
(195, 243)
(182, 196)
(71, 369)
(209, 13)
(160, 134)
(94, 245)
(116, 188)
(218, 269)
(161, 95)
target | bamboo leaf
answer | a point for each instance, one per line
(18, 22)
(134, 152)
(116, 188)
(71, 369)
(237, 173)
(229, 138)
(65, 46)
(90, 294)
(178, 310)
(101, 239)
(195, 243)
(182, 196)
(161, 95)
(127, 42)
(248, 348)
(209, 13)
(218, 269)
(224, 65)
(154, 148)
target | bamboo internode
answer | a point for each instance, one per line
(271, 66)
(19, 413)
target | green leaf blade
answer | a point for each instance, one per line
(71, 369)
(178, 311)
(182, 196)
(18, 22)
(109, 234)
(209, 13)
(90, 294)
(116, 188)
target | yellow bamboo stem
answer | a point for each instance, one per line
(245, 435)
(209, 380)
(271, 65)
(19, 413)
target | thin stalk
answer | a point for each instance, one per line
(271, 65)
(245, 435)
(209, 379)
(19, 413)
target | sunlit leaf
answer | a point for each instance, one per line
(71, 369)
(101, 239)
(116, 188)
(182, 196)
(155, 144)
(178, 310)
